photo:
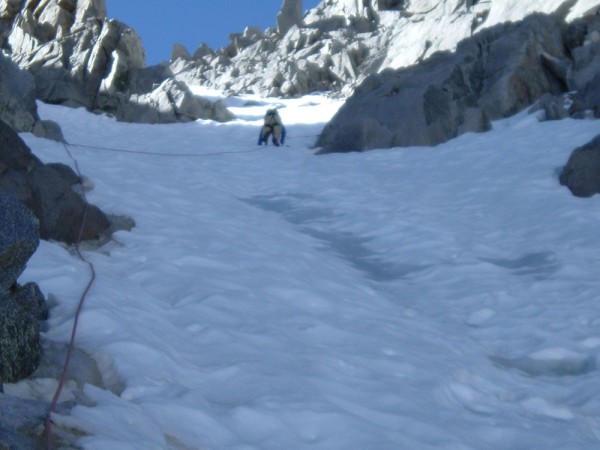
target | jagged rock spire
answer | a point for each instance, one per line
(90, 9)
(289, 15)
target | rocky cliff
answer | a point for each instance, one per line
(495, 74)
(79, 57)
(339, 43)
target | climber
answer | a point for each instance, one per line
(272, 127)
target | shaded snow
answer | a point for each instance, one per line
(409, 298)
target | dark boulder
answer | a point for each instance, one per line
(19, 239)
(30, 299)
(66, 173)
(17, 96)
(492, 75)
(21, 308)
(582, 172)
(47, 192)
(48, 129)
(20, 346)
(61, 209)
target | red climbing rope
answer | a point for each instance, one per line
(187, 155)
(71, 345)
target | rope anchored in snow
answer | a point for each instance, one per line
(71, 345)
(191, 155)
(142, 152)
(92, 278)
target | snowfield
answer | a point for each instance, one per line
(416, 298)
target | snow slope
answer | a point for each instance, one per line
(410, 298)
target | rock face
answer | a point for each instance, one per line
(171, 101)
(587, 100)
(582, 172)
(77, 56)
(80, 58)
(18, 239)
(338, 44)
(583, 67)
(492, 75)
(46, 191)
(21, 309)
(289, 15)
(17, 96)
(580, 71)
(20, 348)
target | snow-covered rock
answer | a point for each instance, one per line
(348, 42)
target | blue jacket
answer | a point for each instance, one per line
(266, 131)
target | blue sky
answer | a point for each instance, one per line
(161, 23)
